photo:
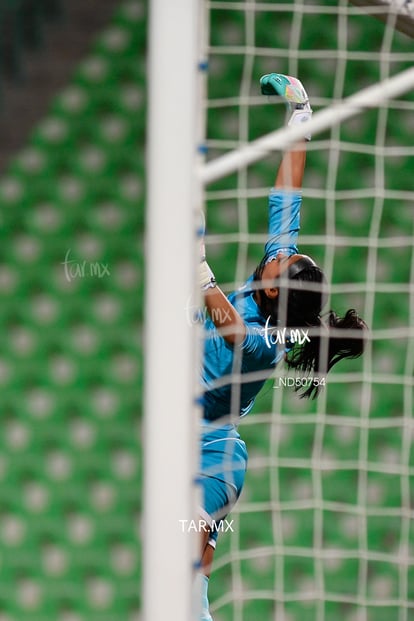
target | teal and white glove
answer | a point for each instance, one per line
(292, 91)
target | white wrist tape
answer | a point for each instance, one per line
(301, 116)
(206, 276)
(202, 250)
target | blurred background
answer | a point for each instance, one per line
(324, 528)
(72, 121)
(72, 133)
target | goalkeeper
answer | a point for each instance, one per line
(242, 334)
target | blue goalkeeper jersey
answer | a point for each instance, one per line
(232, 376)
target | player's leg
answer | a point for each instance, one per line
(208, 544)
(207, 558)
(221, 478)
(218, 498)
(203, 577)
(201, 588)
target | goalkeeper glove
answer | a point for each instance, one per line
(292, 91)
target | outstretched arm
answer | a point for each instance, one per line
(297, 102)
(222, 312)
(224, 316)
(291, 169)
(285, 198)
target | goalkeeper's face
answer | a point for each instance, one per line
(275, 268)
(303, 283)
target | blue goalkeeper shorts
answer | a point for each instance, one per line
(221, 477)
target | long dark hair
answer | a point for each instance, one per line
(302, 295)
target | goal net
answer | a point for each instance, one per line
(324, 529)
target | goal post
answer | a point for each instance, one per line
(170, 419)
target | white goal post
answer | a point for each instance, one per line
(170, 418)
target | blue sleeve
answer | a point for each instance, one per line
(284, 222)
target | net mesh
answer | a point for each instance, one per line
(324, 527)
